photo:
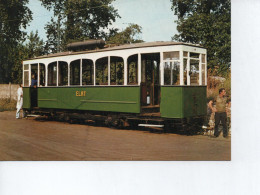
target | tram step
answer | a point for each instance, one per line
(150, 109)
(149, 125)
(151, 114)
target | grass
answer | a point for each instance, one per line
(7, 105)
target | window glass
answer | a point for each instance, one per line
(194, 55)
(42, 74)
(75, 72)
(132, 70)
(116, 71)
(150, 70)
(87, 72)
(171, 55)
(203, 56)
(185, 71)
(185, 54)
(172, 73)
(26, 78)
(156, 72)
(63, 73)
(26, 67)
(34, 75)
(194, 68)
(102, 71)
(52, 74)
(203, 73)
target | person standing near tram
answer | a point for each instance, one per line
(19, 104)
(220, 113)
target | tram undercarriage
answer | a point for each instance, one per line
(122, 120)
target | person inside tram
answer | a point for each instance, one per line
(34, 81)
(34, 91)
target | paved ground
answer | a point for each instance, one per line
(33, 140)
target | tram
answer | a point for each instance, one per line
(159, 84)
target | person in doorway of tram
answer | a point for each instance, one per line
(220, 113)
(19, 104)
(34, 81)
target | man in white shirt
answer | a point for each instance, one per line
(19, 104)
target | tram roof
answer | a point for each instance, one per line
(120, 47)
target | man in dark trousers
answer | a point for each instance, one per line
(220, 113)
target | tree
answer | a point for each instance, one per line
(208, 23)
(14, 17)
(54, 43)
(78, 20)
(35, 46)
(129, 35)
(32, 47)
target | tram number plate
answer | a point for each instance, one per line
(80, 93)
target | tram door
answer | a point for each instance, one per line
(150, 82)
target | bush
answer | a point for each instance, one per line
(7, 105)
(227, 85)
(214, 86)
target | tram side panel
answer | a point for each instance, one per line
(194, 101)
(171, 102)
(112, 99)
(183, 102)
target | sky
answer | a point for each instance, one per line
(154, 16)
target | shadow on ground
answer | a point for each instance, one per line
(156, 130)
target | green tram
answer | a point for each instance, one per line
(160, 84)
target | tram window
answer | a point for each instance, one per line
(34, 75)
(172, 73)
(75, 72)
(156, 72)
(185, 70)
(87, 72)
(185, 54)
(171, 55)
(102, 71)
(194, 55)
(26, 78)
(203, 73)
(63, 73)
(26, 67)
(52, 74)
(203, 56)
(42, 74)
(132, 70)
(194, 68)
(116, 71)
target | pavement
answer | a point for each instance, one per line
(37, 139)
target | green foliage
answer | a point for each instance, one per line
(78, 20)
(53, 37)
(34, 46)
(215, 85)
(14, 16)
(127, 36)
(227, 85)
(207, 23)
